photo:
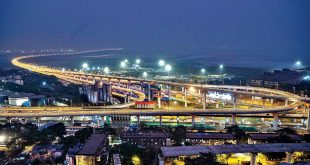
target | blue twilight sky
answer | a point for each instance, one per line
(227, 28)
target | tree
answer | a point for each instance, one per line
(83, 134)
(236, 132)
(204, 158)
(178, 135)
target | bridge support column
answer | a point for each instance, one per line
(193, 121)
(199, 91)
(271, 102)
(160, 120)
(217, 106)
(308, 120)
(275, 121)
(253, 158)
(178, 120)
(286, 102)
(149, 91)
(185, 97)
(159, 99)
(288, 158)
(9, 120)
(235, 102)
(138, 120)
(204, 100)
(233, 119)
(169, 91)
(23, 120)
(72, 120)
(38, 120)
(102, 121)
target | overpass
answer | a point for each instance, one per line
(292, 101)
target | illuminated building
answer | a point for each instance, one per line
(94, 151)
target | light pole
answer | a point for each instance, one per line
(168, 68)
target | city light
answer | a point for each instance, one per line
(126, 61)
(221, 66)
(144, 74)
(307, 77)
(138, 61)
(161, 62)
(123, 64)
(43, 83)
(203, 70)
(98, 68)
(63, 69)
(106, 70)
(2, 138)
(298, 63)
(85, 65)
(94, 68)
(168, 68)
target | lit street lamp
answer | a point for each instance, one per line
(161, 63)
(203, 70)
(106, 70)
(85, 65)
(168, 68)
(123, 64)
(221, 68)
(138, 61)
(144, 74)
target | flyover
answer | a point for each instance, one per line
(292, 101)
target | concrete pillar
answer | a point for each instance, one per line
(160, 120)
(159, 99)
(23, 120)
(235, 102)
(138, 120)
(178, 120)
(193, 121)
(288, 158)
(253, 158)
(271, 102)
(199, 91)
(286, 102)
(233, 119)
(308, 120)
(38, 120)
(72, 120)
(204, 100)
(217, 106)
(169, 92)
(102, 120)
(128, 84)
(149, 91)
(185, 97)
(275, 121)
(183, 89)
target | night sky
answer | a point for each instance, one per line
(242, 28)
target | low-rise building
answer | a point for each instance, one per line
(155, 139)
(258, 138)
(94, 151)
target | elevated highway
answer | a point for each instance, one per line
(292, 101)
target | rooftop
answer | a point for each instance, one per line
(242, 148)
(92, 145)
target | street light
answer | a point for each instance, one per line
(203, 70)
(161, 63)
(106, 70)
(126, 60)
(298, 63)
(168, 68)
(43, 83)
(85, 65)
(2, 138)
(138, 61)
(123, 64)
(144, 74)
(221, 68)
